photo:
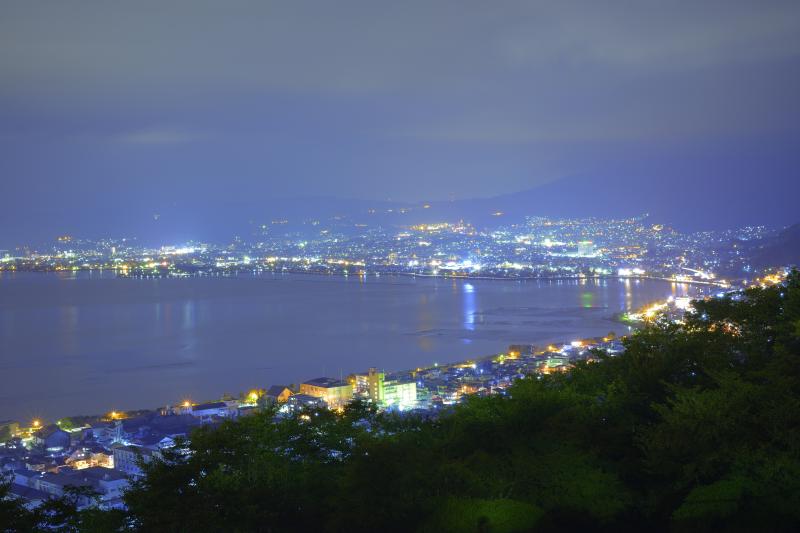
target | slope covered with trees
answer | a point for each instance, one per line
(695, 427)
(782, 249)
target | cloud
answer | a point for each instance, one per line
(159, 137)
(516, 132)
(411, 99)
(368, 46)
(654, 36)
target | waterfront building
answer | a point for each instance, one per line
(207, 411)
(298, 402)
(401, 395)
(336, 393)
(360, 383)
(396, 393)
(151, 428)
(375, 383)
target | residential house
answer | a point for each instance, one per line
(299, 402)
(208, 411)
(127, 458)
(278, 394)
(51, 438)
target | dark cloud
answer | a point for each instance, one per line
(410, 100)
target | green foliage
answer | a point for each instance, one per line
(469, 514)
(13, 515)
(76, 511)
(67, 424)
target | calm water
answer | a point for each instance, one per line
(88, 343)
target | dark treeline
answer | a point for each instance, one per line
(695, 427)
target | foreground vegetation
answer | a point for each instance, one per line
(695, 427)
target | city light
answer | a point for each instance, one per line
(422, 266)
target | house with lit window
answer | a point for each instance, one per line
(278, 394)
(88, 455)
(300, 402)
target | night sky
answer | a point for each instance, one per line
(206, 112)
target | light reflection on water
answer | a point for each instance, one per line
(141, 343)
(468, 303)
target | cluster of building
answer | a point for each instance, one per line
(100, 454)
(103, 453)
(538, 247)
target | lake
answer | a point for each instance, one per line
(83, 343)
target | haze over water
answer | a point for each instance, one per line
(88, 343)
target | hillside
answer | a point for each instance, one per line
(783, 249)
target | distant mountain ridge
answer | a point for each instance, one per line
(783, 249)
(686, 203)
(683, 200)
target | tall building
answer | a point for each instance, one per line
(392, 393)
(360, 383)
(375, 382)
(400, 394)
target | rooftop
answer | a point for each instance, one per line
(326, 382)
(210, 405)
(276, 390)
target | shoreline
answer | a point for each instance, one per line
(563, 324)
(376, 273)
(126, 413)
(543, 341)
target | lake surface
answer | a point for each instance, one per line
(88, 343)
